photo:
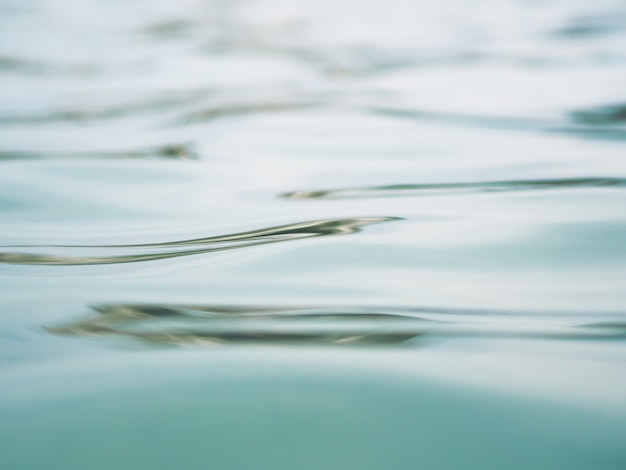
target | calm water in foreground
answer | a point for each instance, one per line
(313, 234)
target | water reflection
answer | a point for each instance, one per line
(111, 254)
(182, 151)
(243, 109)
(330, 100)
(215, 325)
(602, 115)
(430, 189)
(23, 66)
(601, 122)
(83, 114)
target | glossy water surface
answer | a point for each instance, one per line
(298, 234)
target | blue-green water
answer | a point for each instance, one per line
(313, 235)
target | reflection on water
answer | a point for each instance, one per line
(87, 115)
(164, 250)
(213, 326)
(594, 123)
(210, 326)
(612, 114)
(173, 151)
(216, 112)
(452, 188)
(183, 142)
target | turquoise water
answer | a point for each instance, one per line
(312, 235)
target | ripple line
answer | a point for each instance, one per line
(112, 111)
(70, 254)
(217, 112)
(592, 124)
(214, 325)
(182, 151)
(434, 189)
(601, 115)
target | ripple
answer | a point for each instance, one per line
(16, 64)
(24, 66)
(165, 102)
(61, 255)
(244, 109)
(585, 123)
(602, 115)
(180, 151)
(215, 325)
(433, 189)
(172, 29)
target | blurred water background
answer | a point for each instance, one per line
(312, 234)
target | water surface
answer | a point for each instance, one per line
(312, 234)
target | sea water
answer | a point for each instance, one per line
(312, 234)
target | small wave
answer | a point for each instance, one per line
(601, 115)
(172, 29)
(23, 66)
(104, 112)
(433, 189)
(182, 151)
(218, 112)
(585, 123)
(215, 325)
(60, 255)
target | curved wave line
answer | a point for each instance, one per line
(211, 325)
(182, 151)
(264, 236)
(602, 129)
(430, 189)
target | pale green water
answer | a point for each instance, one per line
(312, 235)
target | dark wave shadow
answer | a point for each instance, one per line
(165, 104)
(112, 254)
(601, 115)
(433, 189)
(183, 151)
(100, 113)
(170, 29)
(212, 113)
(215, 325)
(611, 128)
(23, 66)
